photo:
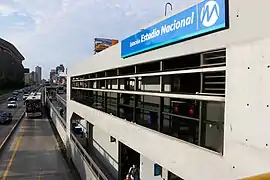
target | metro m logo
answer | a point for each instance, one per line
(210, 13)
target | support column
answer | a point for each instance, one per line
(118, 96)
(161, 101)
(105, 93)
(135, 96)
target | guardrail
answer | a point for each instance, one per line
(60, 99)
(11, 132)
(94, 167)
(5, 96)
(62, 121)
(95, 170)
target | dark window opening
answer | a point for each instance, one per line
(112, 72)
(183, 83)
(172, 176)
(127, 158)
(100, 74)
(127, 70)
(148, 67)
(183, 62)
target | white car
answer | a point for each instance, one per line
(12, 104)
(25, 96)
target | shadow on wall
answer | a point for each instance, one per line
(81, 163)
(104, 159)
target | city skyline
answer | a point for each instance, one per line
(50, 27)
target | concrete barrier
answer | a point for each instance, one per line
(5, 96)
(3, 144)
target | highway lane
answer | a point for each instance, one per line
(16, 113)
(33, 153)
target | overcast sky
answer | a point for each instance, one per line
(53, 32)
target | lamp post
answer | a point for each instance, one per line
(166, 5)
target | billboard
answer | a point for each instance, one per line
(102, 43)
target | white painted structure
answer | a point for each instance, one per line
(247, 110)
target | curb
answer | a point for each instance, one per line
(11, 132)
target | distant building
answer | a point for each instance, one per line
(27, 79)
(38, 74)
(11, 68)
(60, 76)
(33, 77)
(52, 75)
(60, 69)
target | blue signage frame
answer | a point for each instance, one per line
(202, 18)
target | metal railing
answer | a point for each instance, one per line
(62, 120)
(60, 99)
(93, 166)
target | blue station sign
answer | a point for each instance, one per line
(205, 17)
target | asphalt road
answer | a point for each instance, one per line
(16, 113)
(33, 153)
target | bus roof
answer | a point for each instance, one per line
(34, 96)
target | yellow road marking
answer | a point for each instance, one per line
(38, 177)
(18, 143)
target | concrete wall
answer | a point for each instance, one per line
(246, 140)
(105, 150)
(246, 150)
(61, 130)
(81, 164)
(147, 170)
(166, 149)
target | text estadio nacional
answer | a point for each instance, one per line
(177, 24)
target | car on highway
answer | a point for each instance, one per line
(25, 96)
(12, 98)
(15, 93)
(12, 104)
(5, 117)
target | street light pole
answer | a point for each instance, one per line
(166, 5)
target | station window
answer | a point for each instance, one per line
(111, 106)
(147, 109)
(182, 83)
(148, 67)
(127, 70)
(195, 121)
(183, 62)
(181, 119)
(149, 83)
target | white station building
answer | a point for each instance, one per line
(185, 98)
